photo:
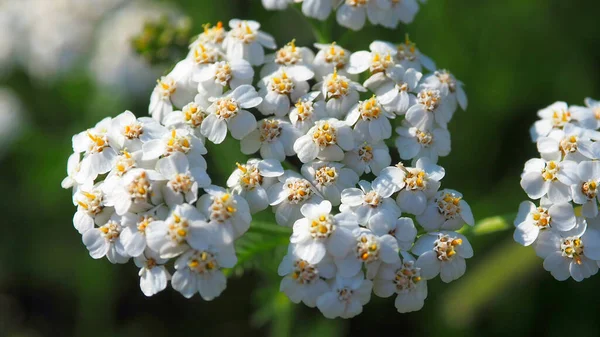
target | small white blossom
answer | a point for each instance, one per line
(307, 111)
(403, 230)
(183, 181)
(450, 88)
(330, 178)
(281, 87)
(330, 58)
(346, 297)
(408, 55)
(178, 140)
(245, 41)
(137, 191)
(442, 253)
(106, 240)
(371, 121)
(213, 79)
(447, 211)
(327, 140)
(128, 132)
(370, 204)
(431, 109)
(553, 117)
(549, 178)
(401, 11)
(414, 142)
(532, 220)
(397, 95)
(585, 191)
(91, 208)
(570, 142)
(352, 14)
(190, 117)
(404, 279)
(175, 89)
(588, 116)
(297, 61)
(251, 180)
(368, 157)
(340, 93)
(274, 137)
(289, 195)
(153, 274)
(229, 214)
(135, 227)
(99, 154)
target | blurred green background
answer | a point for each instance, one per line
(514, 56)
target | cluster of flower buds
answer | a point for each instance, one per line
(353, 14)
(142, 189)
(564, 226)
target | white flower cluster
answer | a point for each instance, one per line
(564, 226)
(137, 181)
(353, 14)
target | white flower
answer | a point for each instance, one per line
(319, 233)
(414, 142)
(175, 89)
(307, 111)
(552, 179)
(370, 249)
(91, 208)
(190, 117)
(183, 181)
(318, 9)
(340, 93)
(403, 279)
(251, 180)
(345, 297)
(274, 137)
(128, 132)
(99, 154)
(215, 34)
(330, 179)
(135, 227)
(532, 220)
(450, 88)
(327, 140)
(229, 214)
(106, 241)
(571, 143)
(184, 227)
(401, 11)
(380, 59)
(214, 78)
(409, 56)
(442, 253)
(153, 274)
(303, 281)
(245, 41)
(570, 254)
(330, 58)
(137, 191)
(585, 191)
(289, 195)
(200, 57)
(297, 60)
(447, 211)
(353, 13)
(396, 95)
(371, 119)
(588, 116)
(370, 204)
(368, 157)
(403, 230)
(228, 111)
(279, 88)
(276, 4)
(553, 117)
(178, 140)
(198, 271)
(431, 108)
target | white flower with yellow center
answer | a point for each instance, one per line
(570, 254)
(370, 250)
(176, 141)
(320, 233)
(228, 112)
(215, 34)
(401, 11)
(404, 279)
(370, 204)
(183, 181)
(278, 89)
(585, 191)
(297, 61)
(173, 90)
(306, 111)
(397, 95)
(99, 154)
(447, 211)
(289, 195)
(340, 93)
(346, 297)
(450, 88)
(532, 220)
(549, 178)
(252, 179)
(368, 157)
(555, 116)
(330, 58)
(214, 79)
(569, 143)
(185, 227)
(330, 178)
(245, 41)
(127, 161)
(199, 271)
(381, 59)
(442, 253)
(91, 208)
(154, 276)
(409, 56)
(371, 121)
(274, 137)
(129, 132)
(228, 214)
(414, 142)
(352, 14)
(589, 116)
(303, 281)
(431, 109)
(327, 140)
(137, 191)
(190, 117)
(135, 228)
(106, 240)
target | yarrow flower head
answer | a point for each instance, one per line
(145, 188)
